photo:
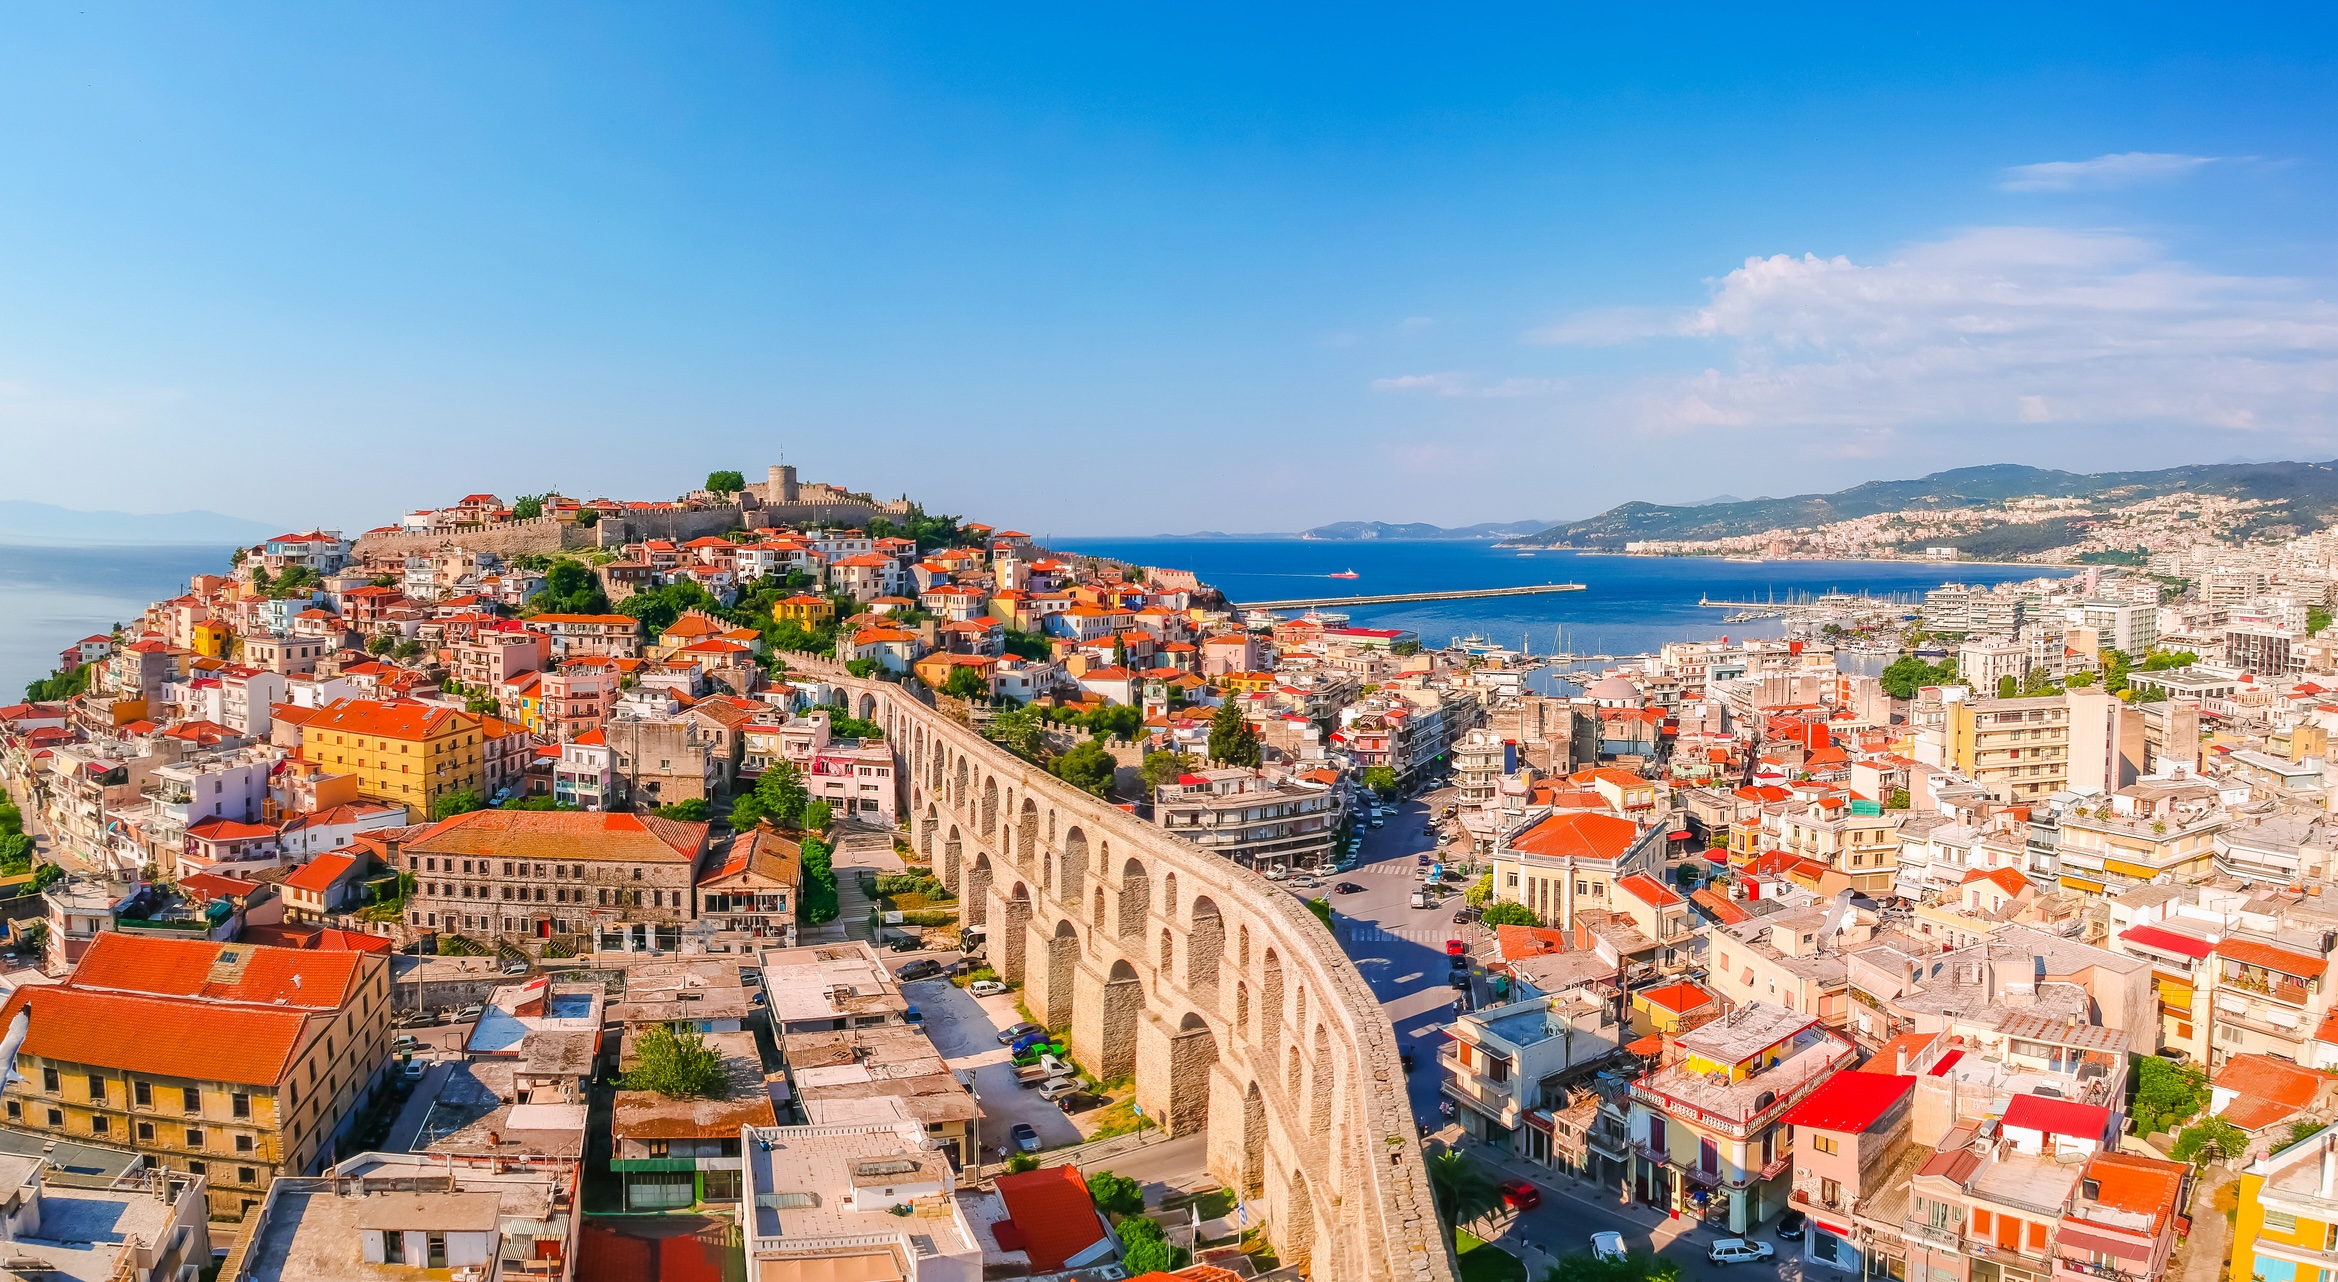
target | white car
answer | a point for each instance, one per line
(1608, 1246)
(1736, 1250)
(986, 988)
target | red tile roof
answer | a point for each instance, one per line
(204, 1041)
(1052, 1214)
(1850, 1101)
(2268, 1089)
(1678, 998)
(319, 874)
(2138, 1185)
(1723, 909)
(2008, 880)
(1887, 1056)
(2168, 941)
(564, 835)
(2058, 1116)
(1647, 890)
(214, 972)
(1583, 836)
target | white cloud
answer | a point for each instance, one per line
(1994, 326)
(2120, 169)
(1462, 384)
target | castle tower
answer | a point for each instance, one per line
(782, 485)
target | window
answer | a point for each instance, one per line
(246, 1175)
(243, 1143)
(97, 1089)
(2280, 1221)
(197, 1168)
(194, 1137)
(2037, 1238)
(100, 1124)
(15, 1111)
(1980, 1222)
(52, 1081)
(1830, 1192)
(1825, 1144)
(57, 1117)
(146, 1131)
(142, 1094)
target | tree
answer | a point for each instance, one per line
(59, 687)
(527, 507)
(407, 651)
(2166, 1095)
(382, 580)
(1231, 740)
(725, 482)
(2302, 1129)
(1636, 1267)
(450, 804)
(1900, 799)
(1017, 1163)
(1510, 912)
(778, 796)
(1148, 1248)
(1116, 1195)
(380, 643)
(1907, 673)
(1020, 731)
(677, 1065)
(1321, 907)
(862, 668)
(817, 815)
(966, 682)
(2212, 1140)
(817, 903)
(689, 811)
(2007, 687)
(2317, 619)
(1480, 892)
(571, 588)
(1160, 768)
(1464, 1193)
(1087, 767)
(1380, 779)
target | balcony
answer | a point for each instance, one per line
(1939, 1238)
(2109, 1272)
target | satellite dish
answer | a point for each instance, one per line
(1835, 915)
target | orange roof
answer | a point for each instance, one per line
(2249, 952)
(390, 720)
(1051, 1213)
(1678, 998)
(564, 835)
(205, 1041)
(320, 873)
(2136, 1184)
(1647, 1047)
(1887, 1056)
(2008, 880)
(1582, 836)
(1647, 890)
(2268, 1089)
(1720, 905)
(1513, 942)
(214, 972)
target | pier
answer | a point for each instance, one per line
(1398, 598)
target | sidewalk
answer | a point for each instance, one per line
(1663, 1229)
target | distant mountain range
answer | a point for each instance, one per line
(2303, 496)
(23, 522)
(1352, 530)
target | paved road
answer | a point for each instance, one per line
(965, 1030)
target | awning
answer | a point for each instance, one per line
(1718, 856)
(2103, 1245)
(1679, 834)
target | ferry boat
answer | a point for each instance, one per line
(1344, 574)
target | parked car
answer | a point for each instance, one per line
(1608, 1246)
(922, 968)
(1276, 873)
(1028, 1040)
(405, 1044)
(1421, 899)
(1056, 1088)
(515, 967)
(1010, 1036)
(413, 1069)
(908, 944)
(472, 1011)
(1347, 888)
(1458, 979)
(1455, 948)
(987, 987)
(1025, 1137)
(1466, 915)
(1519, 1195)
(912, 1015)
(1378, 822)
(1405, 1057)
(1790, 1224)
(1737, 1250)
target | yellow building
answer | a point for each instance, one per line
(804, 608)
(2019, 749)
(211, 639)
(237, 1062)
(2286, 1219)
(403, 754)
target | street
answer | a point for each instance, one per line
(965, 1029)
(1401, 952)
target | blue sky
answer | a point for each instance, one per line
(1199, 267)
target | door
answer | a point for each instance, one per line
(543, 928)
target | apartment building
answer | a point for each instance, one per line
(384, 1216)
(820, 1202)
(1705, 1124)
(1981, 1210)
(1256, 821)
(405, 754)
(514, 874)
(1853, 836)
(2289, 1211)
(235, 1062)
(1566, 863)
(2153, 831)
(2127, 626)
(1506, 1066)
(155, 1222)
(1847, 1136)
(2018, 749)
(2123, 1219)
(615, 636)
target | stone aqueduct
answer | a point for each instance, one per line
(1227, 1001)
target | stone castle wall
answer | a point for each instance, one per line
(544, 535)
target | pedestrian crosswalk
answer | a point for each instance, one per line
(1368, 934)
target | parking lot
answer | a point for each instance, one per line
(965, 1029)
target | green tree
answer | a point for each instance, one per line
(382, 580)
(407, 651)
(966, 682)
(817, 903)
(862, 668)
(725, 482)
(1380, 779)
(1148, 1248)
(1907, 673)
(1116, 1195)
(2317, 619)
(450, 804)
(58, 687)
(1017, 1163)
(778, 796)
(2007, 687)
(1480, 892)
(527, 507)
(1087, 767)
(2211, 1140)
(1321, 907)
(1020, 731)
(1464, 1193)
(380, 643)
(817, 815)
(690, 811)
(676, 1064)
(2166, 1095)
(571, 588)
(1636, 1267)
(2302, 1129)
(1510, 912)
(1900, 799)
(1231, 741)
(1160, 768)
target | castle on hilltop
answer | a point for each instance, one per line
(779, 500)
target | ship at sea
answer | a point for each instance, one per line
(1343, 574)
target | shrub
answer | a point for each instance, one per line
(678, 1065)
(1020, 1162)
(1510, 913)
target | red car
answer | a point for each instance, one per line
(1455, 948)
(1519, 1195)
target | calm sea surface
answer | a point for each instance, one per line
(1631, 605)
(51, 597)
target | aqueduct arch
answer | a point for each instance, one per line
(1120, 936)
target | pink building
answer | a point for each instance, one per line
(1846, 1135)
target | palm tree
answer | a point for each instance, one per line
(1462, 1189)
